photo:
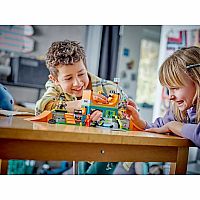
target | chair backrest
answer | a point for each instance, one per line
(198, 155)
(192, 157)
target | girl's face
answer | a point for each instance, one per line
(73, 79)
(183, 96)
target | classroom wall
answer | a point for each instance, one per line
(44, 36)
(93, 47)
(131, 37)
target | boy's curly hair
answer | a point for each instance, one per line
(65, 53)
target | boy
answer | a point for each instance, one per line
(66, 61)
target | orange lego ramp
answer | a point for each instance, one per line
(45, 116)
(114, 101)
(70, 118)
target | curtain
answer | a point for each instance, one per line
(109, 52)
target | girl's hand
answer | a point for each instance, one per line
(170, 127)
(163, 129)
(132, 103)
(132, 111)
(96, 115)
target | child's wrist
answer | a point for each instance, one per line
(139, 123)
(142, 124)
(50, 105)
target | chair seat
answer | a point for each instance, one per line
(193, 168)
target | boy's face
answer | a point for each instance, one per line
(73, 79)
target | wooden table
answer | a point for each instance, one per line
(25, 140)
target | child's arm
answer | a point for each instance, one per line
(189, 131)
(173, 126)
(192, 132)
(52, 91)
(69, 106)
(142, 124)
(132, 111)
(50, 98)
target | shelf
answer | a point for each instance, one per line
(23, 85)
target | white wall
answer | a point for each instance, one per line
(45, 35)
(93, 47)
(131, 37)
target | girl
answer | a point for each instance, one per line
(180, 73)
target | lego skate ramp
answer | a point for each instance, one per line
(43, 117)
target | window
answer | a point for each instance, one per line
(147, 73)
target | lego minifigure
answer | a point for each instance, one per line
(87, 121)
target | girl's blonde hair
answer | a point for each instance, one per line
(170, 75)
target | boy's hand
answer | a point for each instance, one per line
(100, 98)
(96, 115)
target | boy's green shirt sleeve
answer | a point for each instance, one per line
(52, 91)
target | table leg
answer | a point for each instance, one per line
(180, 167)
(75, 168)
(3, 167)
(172, 168)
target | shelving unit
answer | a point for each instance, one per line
(25, 85)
